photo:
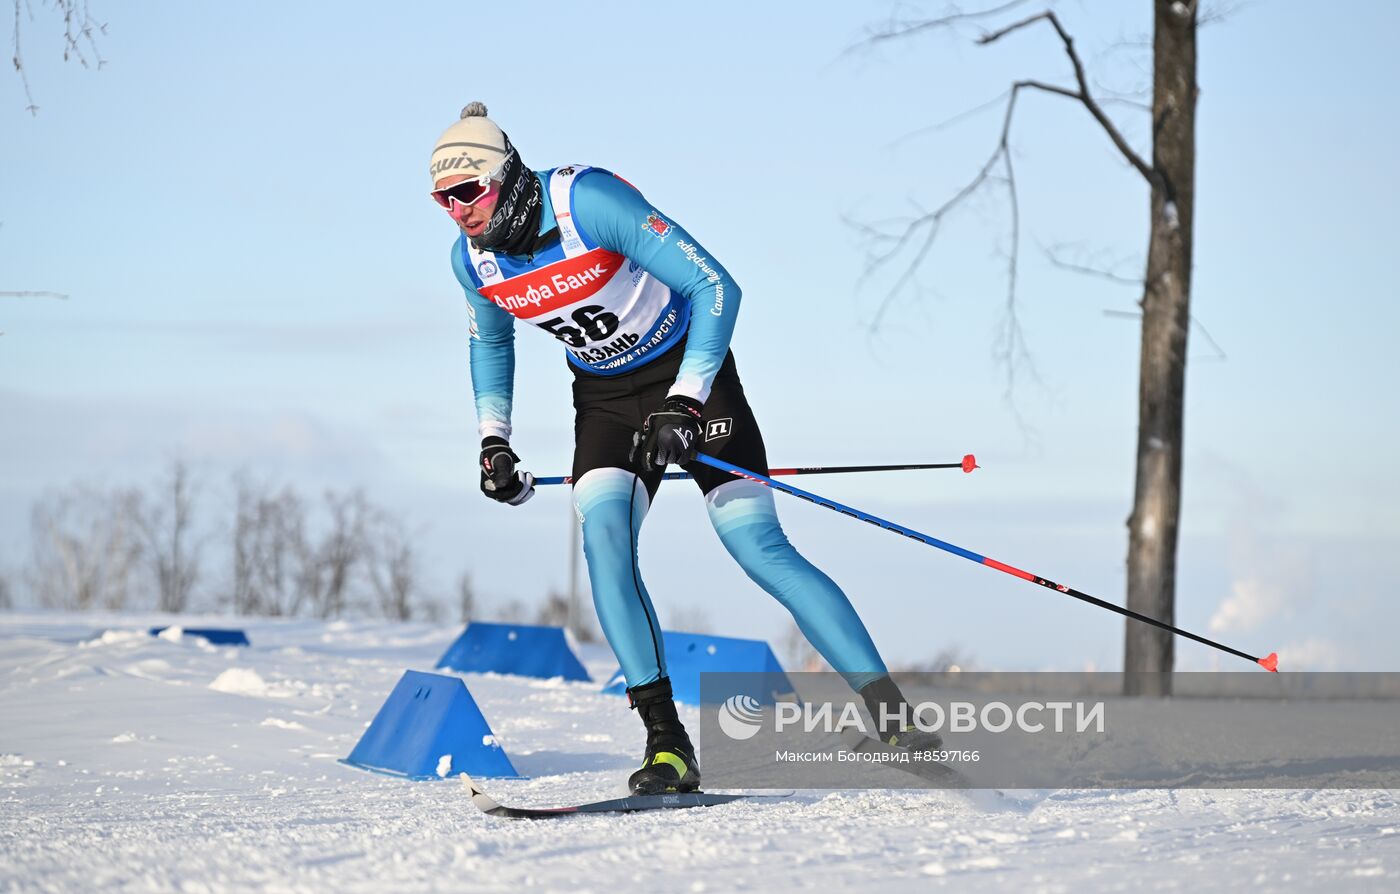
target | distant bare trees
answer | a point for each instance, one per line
(165, 524)
(86, 546)
(268, 545)
(392, 563)
(329, 563)
(556, 612)
(120, 548)
(283, 562)
(95, 548)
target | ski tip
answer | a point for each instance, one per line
(969, 463)
(483, 801)
(1270, 662)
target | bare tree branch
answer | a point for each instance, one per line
(949, 122)
(1094, 271)
(932, 220)
(898, 29)
(1134, 48)
(915, 237)
(1083, 95)
(1141, 95)
(1216, 13)
(80, 32)
(1213, 343)
(1137, 315)
(1011, 347)
(1130, 103)
(18, 60)
(1052, 253)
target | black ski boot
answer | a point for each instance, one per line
(894, 719)
(669, 765)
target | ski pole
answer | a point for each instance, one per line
(1269, 662)
(968, 463)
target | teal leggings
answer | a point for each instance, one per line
(612, 503)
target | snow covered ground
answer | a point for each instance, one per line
(134, 763)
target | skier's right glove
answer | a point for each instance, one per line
(670, 435)
(499, 479)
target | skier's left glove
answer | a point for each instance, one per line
(670, 435)
(499, 479)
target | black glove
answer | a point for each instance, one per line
(670, 435)
(499, 480)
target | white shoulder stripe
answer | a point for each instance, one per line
(561, 184)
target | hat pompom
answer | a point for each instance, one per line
(474, 110)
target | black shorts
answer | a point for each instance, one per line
(608, 410)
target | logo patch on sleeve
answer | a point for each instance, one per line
(657, 225)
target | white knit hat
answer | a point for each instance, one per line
(473, 146)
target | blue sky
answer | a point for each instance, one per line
(236, 206)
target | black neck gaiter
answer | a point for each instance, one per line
(514, 228)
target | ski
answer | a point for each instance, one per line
(678, 800)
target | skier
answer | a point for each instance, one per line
(646, 315)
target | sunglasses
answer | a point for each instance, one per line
(466, 193)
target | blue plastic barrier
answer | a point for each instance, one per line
(690, 654)
(428, 716)
(525, 650)
(215, 635)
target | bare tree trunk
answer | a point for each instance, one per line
(331, 571)
(1166, 315)
(391, 564)
(243, 593)
(123, 549)
(166, 526)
